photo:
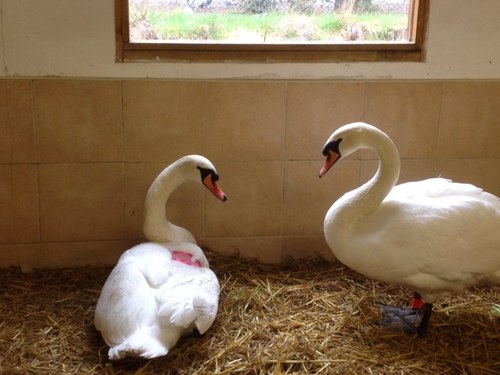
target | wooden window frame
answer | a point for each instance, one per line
(412, 51)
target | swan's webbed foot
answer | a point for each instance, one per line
(400, 319)
(409, 320)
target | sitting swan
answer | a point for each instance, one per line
(160, 290)
(434, 236)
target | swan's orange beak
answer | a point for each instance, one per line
(214, 188)
(331, 159)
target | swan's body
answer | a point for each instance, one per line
(434, 236)
(160, 290)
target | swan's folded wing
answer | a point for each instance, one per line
(447, 239)
(207, 312)
(201, 312)
(193, 300)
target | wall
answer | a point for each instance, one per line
(81, 138)
(77, 157)
(76, 39)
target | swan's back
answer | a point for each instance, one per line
(439, 188)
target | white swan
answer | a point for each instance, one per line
(433, 236)
(160, 290)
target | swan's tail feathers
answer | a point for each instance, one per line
(206, 313)
(138, 346)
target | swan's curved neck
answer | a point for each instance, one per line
(156, 225)
(362, 201)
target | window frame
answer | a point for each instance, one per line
(412, 51)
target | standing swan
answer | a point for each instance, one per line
(163, 289)
(434, 236)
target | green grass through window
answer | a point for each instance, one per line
(267, 27)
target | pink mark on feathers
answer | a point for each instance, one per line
(186, 258)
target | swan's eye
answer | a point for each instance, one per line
(208, 172)
(332, 146)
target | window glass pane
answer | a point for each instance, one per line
(270, 21)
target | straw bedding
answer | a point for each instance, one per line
(309, 317)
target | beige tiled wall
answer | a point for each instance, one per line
(77, 157)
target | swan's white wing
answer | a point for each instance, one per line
(436, 237)
(207, 311)
(190, 298)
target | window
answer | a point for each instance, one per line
(270, 30)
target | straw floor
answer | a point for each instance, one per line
(306, 318)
